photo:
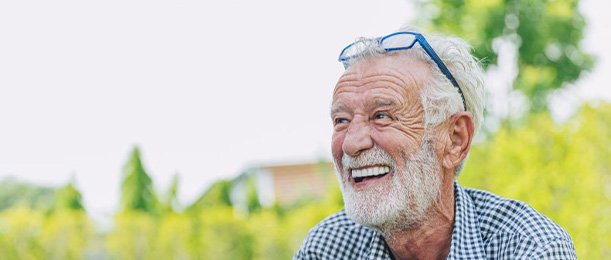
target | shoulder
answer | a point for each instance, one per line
(513, 226)
(335, 237)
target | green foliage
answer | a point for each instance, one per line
(20, 233)
(66, 234)
(133, 236)
(173, 237)
(68, 197)
(170, 202)
(27, 233)
(252, 198)
(225, 236)
(562, 170)
(210, 229)
(218, 195)
(137, 191)
(546, 33)
(15, 193)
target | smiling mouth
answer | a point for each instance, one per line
(371, 172)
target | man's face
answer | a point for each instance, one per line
(386, 163)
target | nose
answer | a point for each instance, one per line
(358, 138)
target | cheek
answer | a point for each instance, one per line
(409, 134)
(337, 141)
(399, 145)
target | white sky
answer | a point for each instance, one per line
(205, 89)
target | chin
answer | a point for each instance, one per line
(378, 207)
(400, 201)
(367, 210)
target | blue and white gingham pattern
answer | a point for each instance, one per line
(486, 226)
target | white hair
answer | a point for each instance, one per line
(439, 98)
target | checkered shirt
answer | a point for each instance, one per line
(486, 226)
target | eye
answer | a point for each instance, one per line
(340, 123)
(340, 120)
(381, 116)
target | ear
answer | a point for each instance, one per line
(461, 132)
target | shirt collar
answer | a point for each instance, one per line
(467, 242)
(379, 249)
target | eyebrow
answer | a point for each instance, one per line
(376, 102)
(338, 108)
(381, 102)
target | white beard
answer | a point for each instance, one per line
(405, 198)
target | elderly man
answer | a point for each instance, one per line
(404, 114)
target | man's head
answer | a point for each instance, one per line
(401, 129)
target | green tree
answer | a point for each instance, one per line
(60, 229)
(17, 193)
(133, 236)
(170, 201)
(252, 196)
(67, 230)
(562, 170)
(137, 191)
(547, 35)
(217, 195)
(68, 197)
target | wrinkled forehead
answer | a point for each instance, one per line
(403, 70)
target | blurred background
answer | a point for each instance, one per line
(200, 130)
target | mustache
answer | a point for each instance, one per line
(373, 156)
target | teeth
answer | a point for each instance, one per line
(370, 171)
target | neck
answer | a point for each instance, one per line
(432, 236)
